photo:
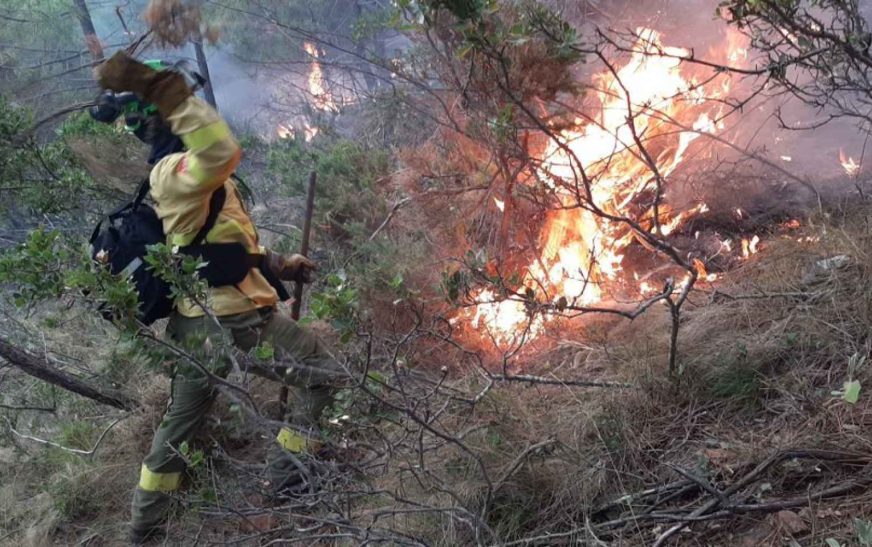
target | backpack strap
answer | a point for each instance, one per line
(244, 190)
(141, 192)
(216, 203)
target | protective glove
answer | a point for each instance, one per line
(165, 89)
(293, 268)
(109, 105)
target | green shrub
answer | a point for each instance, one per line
(346, 193)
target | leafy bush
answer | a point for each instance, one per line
(43, 177)
(36, 267)
(82, 124)
(337, 303)
(347, 193)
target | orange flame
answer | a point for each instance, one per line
(580, 251)
(701, 271)
(321, 97)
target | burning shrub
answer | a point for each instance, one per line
(553, 190)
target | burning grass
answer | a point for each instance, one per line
(763, 361)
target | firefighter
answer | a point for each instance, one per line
(194, 154)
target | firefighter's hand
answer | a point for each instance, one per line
(106, 108)
(291, 268)
(301, 267)
(124, 73)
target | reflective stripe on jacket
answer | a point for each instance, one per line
(181, 186)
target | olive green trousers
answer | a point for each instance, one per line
(298, 358)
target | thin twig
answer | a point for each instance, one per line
(66, 448)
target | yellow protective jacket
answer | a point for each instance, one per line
(181, 186)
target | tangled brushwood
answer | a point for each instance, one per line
(758, 442)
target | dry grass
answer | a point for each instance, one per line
(760, 356)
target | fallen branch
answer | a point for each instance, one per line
(532, 379)
(520, 459)
(44, 370)
(66, 448)
(28, 407)
(704, 511)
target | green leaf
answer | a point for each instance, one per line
(376, 376)
(852, 392)
(396, 282)
(832, 542)
(265, 352)
(863, 528)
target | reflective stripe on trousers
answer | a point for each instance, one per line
(152, 481)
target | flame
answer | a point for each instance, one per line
(749, 246)
(701, 271)
(309, 131)
(851, 167)
(502, 318)
(321, 97)
(645, 289)
(579, 252)
(285, 131)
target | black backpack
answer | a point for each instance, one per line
(123, 243)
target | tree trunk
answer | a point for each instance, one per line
(92, 42)
(203, 66)
(42, 369)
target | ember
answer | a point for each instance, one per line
(749, 246)
(851, 167)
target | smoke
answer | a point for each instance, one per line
(792, 152)
(253, 98)
(246, 94)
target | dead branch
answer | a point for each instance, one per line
(66, 448)
(757, 471)
(387, 219)
(44, 370)
(30, 408)
(55, 115)
(532, 379)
